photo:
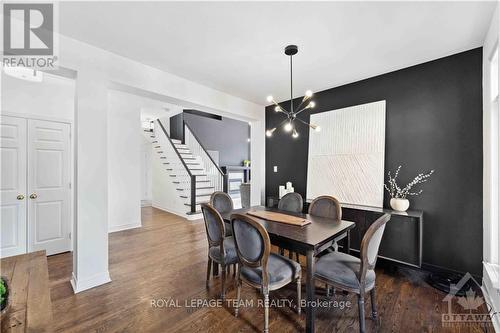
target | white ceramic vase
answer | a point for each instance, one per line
(401, 205)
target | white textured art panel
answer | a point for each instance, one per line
(346, 159)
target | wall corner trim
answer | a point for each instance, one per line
(116, 228)
(80, 285)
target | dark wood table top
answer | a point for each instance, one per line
(29, 294)
(311, 236)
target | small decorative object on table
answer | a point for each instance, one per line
(246, 163)
(284, 190)
(398, 194)
(4, 297)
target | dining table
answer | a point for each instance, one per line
(308, 240)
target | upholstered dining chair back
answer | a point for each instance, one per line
(214, 225)
(252, 242)
(222, 202)
(326, 206)
(291, 202)
(371, 243)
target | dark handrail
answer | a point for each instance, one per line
(175, 149)
(202, 147)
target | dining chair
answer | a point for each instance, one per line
(221, 249)
(353, 274)
(291, 202)
(257, 266)
(328, 207)
(223, 203)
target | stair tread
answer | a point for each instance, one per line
(198, 181)
(198, 203)
(198, 195)
(198, 188)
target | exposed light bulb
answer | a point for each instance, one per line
(277, 109)
(288, 126)
(269, 133)
(309, 93)
(248, 140)
(270, 98)
(295, 134)
(317, 129)
(311, 104)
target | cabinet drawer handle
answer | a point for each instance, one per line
(33, 196)
(20, 197)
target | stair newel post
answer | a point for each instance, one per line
(193, 194)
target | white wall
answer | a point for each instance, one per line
(124, 162)
(54, 97)
(96, 71)
(491, 236)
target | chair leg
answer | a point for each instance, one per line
(209, 266)
(290, 254)
(223, 282)
(266, 310)
(299, 290)
(234, 270)
(215, 269)
(297, 257)
(328, 290)
(361, 306)
(282, 251)
(374, 305)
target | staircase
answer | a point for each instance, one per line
(194, 176)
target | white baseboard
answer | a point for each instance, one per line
(80, 285)
(184, 215)
(169, 210)
(494, 319)
(122, 227)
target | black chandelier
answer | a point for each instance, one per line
(291, 116)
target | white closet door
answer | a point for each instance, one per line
(48, 186)
(13, 186)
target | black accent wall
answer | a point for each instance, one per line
(433, 121)
(226, 135)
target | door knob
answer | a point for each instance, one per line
(33, 196)
(20, 197)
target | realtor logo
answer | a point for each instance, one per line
(472, 310)
(28, 35)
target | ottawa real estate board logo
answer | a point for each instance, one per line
(29, 35)
(468, 309)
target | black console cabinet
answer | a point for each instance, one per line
(402, 240)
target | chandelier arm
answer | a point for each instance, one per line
(303, 122)
(301, 103)
(304, 108)
(284, 121)
(281, 108)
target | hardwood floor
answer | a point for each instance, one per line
(166, 260)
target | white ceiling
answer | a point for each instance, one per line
(237, 47)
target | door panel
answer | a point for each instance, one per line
(48, 186)
(12, 186)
